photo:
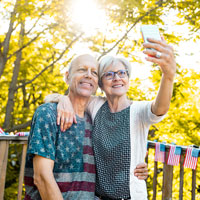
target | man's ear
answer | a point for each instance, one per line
(67, 77)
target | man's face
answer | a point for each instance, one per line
(83, 77)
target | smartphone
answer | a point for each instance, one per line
(150, 31)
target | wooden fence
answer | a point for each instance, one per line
(5, 141)
(168, 176)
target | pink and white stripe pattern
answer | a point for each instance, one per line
(22, 133)
(160, 152)
(1, 131)
(174, 155)
(191, 158)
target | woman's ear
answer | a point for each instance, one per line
(67, 77)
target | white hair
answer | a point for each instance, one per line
(106, 61)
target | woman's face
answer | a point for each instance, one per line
(115, 86)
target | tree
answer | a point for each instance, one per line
(29, 53)
(38, 41)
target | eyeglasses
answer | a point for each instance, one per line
(110, 75)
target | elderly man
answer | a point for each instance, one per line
(60, 165)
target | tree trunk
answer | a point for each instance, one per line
(6, 42)
(13, 84)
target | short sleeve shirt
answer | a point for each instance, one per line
(71, 151)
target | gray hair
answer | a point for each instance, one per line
(106, 61)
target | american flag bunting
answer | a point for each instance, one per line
(1, 131)
(22, 134)
(174, 155)
(191, 158)
(160, 152)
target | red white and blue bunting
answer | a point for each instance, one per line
(174, 155)
(160, 152)
(2, 133)
(191, 158)
(190, 161)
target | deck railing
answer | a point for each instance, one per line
(168, 176)
(5, 141)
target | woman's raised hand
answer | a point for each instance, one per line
(162, 54)
(65, 113)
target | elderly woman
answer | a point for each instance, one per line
(121, 126)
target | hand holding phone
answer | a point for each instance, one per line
(150, 31)
(158, 51)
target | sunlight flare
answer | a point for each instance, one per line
(88, 16)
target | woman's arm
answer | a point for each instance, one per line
(94, 104)
(52, 98)
(66, 115)
(65, 112)
(167, 64)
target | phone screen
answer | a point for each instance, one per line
(150, 31)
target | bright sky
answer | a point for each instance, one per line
(92, 18)
(88, 16)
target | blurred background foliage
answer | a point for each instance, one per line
(37, 41)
